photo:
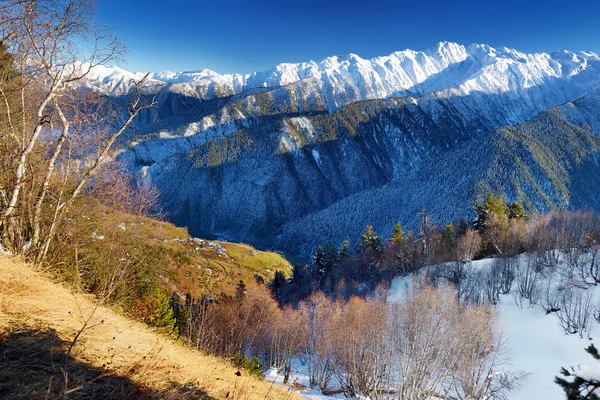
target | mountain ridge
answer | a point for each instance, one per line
(247, 165)
(394, 74)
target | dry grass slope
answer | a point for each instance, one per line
(114, 357)
(210, 268)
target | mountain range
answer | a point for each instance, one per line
(307, 153)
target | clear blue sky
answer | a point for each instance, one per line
(246, 36)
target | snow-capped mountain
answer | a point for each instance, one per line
(344, 79)
(264, 157)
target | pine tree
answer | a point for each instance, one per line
(580, 388)
(162, 315)
(317, 264)
(277, 285)
(398, 235)
(298, 273)
(343, 249)
(516, 211)
(461, 227)
(330, 258)
(495, 205)
(369, 239)
(449, 236)
(492, 205)
(449, 233)
(240, 290)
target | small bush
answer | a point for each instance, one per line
(253, 366)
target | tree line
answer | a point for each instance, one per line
(333, 315)
(500, 229)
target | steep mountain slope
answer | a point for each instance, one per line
(245, 185)
(392, 147)
(113, 357)
(547, 162)
(241, 156)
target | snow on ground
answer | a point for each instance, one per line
(316, 394)
(538, 346)
(299, 376)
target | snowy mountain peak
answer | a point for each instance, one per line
(448, 50)
(186, 76)
(344, 79)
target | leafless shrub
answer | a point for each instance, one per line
(364, 347)
(468, 245)
(528, 278)
(550, 296)
(548, 258)
(582, 266)
(288, 334)
(505, 271)
(114, 186)
(476, 288)
(241, 324)
(447, 351)
(575, 310)
(481, 372)
(317, 312)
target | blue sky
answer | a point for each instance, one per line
(246, 36)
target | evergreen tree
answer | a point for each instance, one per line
(369, 239)
(449, 233)
(495, 205)
(492, 205)
(516, 211)
(240, 290)
(317, 264)
(298, 273)
(162, 315)
(398, 235)
(343, 249)
(330, 258)
(580, 388)
(277, 285)
(461, 227)
(449, 237)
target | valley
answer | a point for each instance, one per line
(319, 137)
(308, 222)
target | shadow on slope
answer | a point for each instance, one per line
(33, 365)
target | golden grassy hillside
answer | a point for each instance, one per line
(208, 267)
(157, 253)
(113, 357)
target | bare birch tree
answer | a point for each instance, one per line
(50, 47)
